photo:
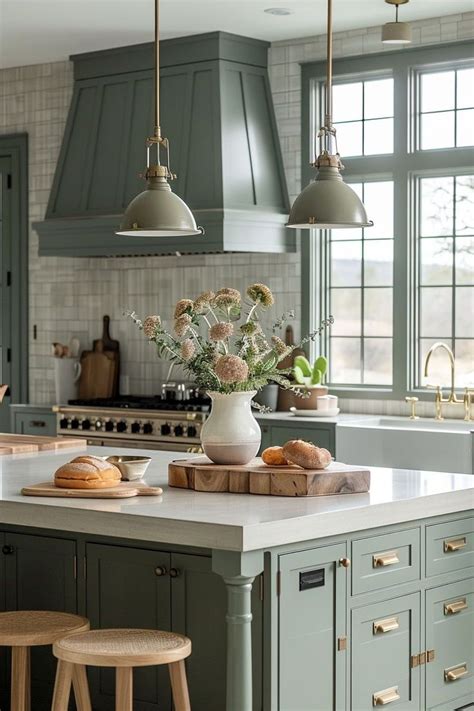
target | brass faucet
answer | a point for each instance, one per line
(452, 399)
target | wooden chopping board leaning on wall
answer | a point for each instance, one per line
(98, 375)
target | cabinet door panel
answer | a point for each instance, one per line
(381, 659)
(311, 617)
(35, 424)
(41, 576)
(450, 547)
(199, 607)
(123, 590)
(319, 436)
(450, 633)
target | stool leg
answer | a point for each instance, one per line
(124, 689)
(20, 682)
(179, 686)
(62, 686)
(81, 688)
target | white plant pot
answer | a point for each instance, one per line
(231, 434)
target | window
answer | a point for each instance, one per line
(398, 287)
(363, 116)
(445, 274)
(361, 293)
(446, 117)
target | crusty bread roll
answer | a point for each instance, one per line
(306, 455)
(273, 456)
(87, 472)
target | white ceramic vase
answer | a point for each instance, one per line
(231, 434)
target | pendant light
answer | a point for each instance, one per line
(327, 202)
(157, 211)
(396, 32)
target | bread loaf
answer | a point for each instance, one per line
(87, 472)
(274, 457)
(306, 455)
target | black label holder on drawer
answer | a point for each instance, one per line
(312, 579)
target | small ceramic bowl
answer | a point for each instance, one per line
(131, 468)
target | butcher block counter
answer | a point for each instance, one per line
(301, 574)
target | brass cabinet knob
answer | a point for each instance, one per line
(345, 562)
(454, 545)
(175, 572)
(453, 608)
(160, 570)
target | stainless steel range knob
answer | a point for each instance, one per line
(121, 426)
(98, 424)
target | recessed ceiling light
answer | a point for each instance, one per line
(278, 11)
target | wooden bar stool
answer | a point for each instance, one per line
(123, 649)
(33, 628)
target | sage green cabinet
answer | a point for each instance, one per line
(311, 618)
(450, 633)
(40, 574)
(129, 587)
(133, 587)
(277, 434)
(450, 547)
(384, 636)
(33, 420)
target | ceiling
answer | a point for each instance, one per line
(35, 31)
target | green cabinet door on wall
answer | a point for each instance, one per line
(41, 575)
(450, 636)
(311, 617)
(384, 636)
(129, 587)
(198, 600)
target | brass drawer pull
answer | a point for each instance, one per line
(382, 698)
(455, 673)
(452, 608)
(387, 625)
(455, 545)
(384, 559)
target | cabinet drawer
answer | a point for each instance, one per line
(450, 634)
(383, 561)
(35, 424)
(384, 637)
(449, 546)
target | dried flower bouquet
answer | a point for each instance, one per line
(220, 343)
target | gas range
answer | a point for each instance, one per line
(135, 421)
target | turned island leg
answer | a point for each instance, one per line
(238, 571)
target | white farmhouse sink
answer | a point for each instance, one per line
(425, 444)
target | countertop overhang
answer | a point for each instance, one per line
(237, 522)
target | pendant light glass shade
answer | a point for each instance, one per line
(157, 211)
(327, 202)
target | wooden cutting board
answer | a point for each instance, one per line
(256, 477)
(98, 372)
(112, 346)
(124, 490)
(17, 448)
(32, 443)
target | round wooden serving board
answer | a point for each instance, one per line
(124, 490)
(256, 477)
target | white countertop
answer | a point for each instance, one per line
(239, 522)
(288, 417)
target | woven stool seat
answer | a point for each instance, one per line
(30, 628)
(123, 648)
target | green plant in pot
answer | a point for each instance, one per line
(309, 378)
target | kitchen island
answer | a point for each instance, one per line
(317, 574)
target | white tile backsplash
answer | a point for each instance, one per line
(69, 296)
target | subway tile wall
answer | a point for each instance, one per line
(69, 296)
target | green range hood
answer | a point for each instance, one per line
(218, 114)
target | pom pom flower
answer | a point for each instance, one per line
(203, 302)
(231, 369)
(221, 331)
(182, 307)
(182, 324)
(188, 349)
(259, 293)
(150, 326)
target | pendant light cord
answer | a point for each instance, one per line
(328, 117)
(157, 69)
